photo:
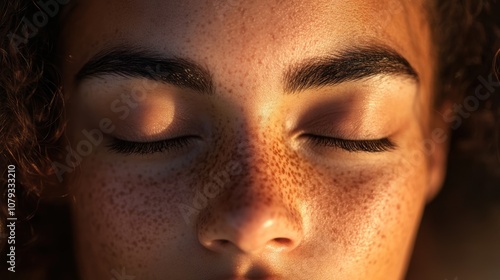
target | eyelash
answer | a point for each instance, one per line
(144, 148)
(370, 146)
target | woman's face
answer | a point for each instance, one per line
(248, 139)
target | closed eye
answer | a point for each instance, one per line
(144, 148)
(370, 146)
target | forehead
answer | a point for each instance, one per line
(245, 31)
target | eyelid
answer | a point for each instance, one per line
(143, 148)
(371, 145)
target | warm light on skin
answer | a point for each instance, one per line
(293, 209)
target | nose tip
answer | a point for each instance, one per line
(253, 230)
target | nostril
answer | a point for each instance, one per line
(279, 243)
(221, 242)
(282, 241)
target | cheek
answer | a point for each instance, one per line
(124, 212)
(368, 215)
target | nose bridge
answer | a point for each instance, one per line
(259, 158)
(266, 170)
(262, 181)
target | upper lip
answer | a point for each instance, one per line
(243, 268)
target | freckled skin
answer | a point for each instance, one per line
(293, 210)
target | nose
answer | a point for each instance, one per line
(252, 230)
(251, 217)
(258, 209)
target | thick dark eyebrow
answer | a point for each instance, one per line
(136, 63)
(350, 65)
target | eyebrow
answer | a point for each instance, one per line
(350, 65)
(136, 63)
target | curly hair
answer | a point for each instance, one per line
(31, 121)
(466, 35)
